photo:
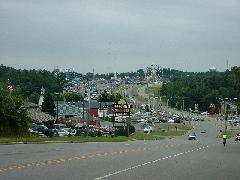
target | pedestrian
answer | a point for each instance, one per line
(224, 139)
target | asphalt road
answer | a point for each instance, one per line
(177, 158)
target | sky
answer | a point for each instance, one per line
(120, 35)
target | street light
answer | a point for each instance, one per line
(57, 107)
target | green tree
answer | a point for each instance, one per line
(14, 120)
(48, 105)
(73, 97)
(34, 97)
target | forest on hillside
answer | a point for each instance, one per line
(202, 89)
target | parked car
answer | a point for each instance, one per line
(147, 129)
(237, 138)
(62, 132)
(171, 121)
(192, 136)
(71, 132)
(40, 130)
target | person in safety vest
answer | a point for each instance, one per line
(224, 139)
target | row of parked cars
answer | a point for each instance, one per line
(42, 130)
(62, 130)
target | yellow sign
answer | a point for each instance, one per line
(122, 102)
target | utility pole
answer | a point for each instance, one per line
(226, 115)
(183, 104)
(83, 110)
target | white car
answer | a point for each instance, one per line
(192, 136)
(147, 129)
(62, 132)
(171, 121)
(237, 138)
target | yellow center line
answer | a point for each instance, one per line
(62, 160)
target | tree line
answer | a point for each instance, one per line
(189, 89)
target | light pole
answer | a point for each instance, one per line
(183, 104)
(57, 108)
(226, 115)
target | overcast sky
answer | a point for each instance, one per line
(119, 35)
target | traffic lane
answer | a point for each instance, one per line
(214, 162)
(25, 153)
(78, 166)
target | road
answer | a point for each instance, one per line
(176, 158)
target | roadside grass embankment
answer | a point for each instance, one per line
(229, 133)
(134, 93)
(153, 90)
(70, 139)
(162, 131)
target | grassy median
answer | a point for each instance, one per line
(161, 131)
(71, 139)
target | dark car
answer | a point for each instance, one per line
(41, 130)
(203, 131)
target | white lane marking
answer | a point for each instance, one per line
(146, 163)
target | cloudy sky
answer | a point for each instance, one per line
(119, 35)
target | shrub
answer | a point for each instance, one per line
(121, 131)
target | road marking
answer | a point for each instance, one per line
(62, 160)
(144, 164)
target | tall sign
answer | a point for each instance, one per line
(121, 106)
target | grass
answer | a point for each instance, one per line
(169, 133)
(74, 139)
(153, 90)
(144, 136)
(229, 134)
(171, 127)
(161, 131)
(134, 93)
(119, 89)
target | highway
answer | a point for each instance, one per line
(176, 158)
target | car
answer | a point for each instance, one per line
(147, 129)
(192, 136)
(203, 131)
(62, 132)
(171, 121)
(237, 138)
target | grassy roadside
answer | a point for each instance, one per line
(119, 89)
(73, 139)
(134, 92)
(161, 131)
(230, 133)
(153, 90)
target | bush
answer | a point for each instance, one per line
(49, 133)
(81, 132)
(121, 131)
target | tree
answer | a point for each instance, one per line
(34, 97)
(106, 97)
(73, 97)
(48, 105)
(14, 120)
(202, 88)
